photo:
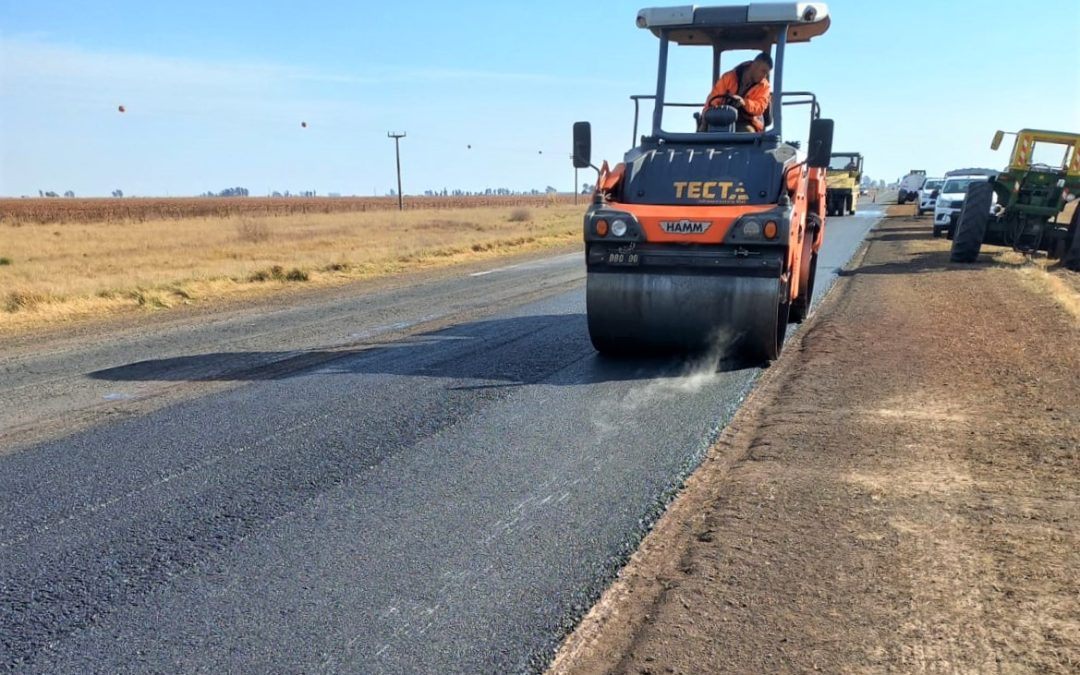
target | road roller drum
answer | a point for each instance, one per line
(678, 311)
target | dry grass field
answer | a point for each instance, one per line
(138, 209)
(60, 270)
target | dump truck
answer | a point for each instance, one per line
(842, 183)
(708, 238)
(1021, 206)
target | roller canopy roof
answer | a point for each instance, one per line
(753, 26)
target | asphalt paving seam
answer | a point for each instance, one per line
(23, 436)
(146, 487)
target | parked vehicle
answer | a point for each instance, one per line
(928, 194)
(950, 200)
(909, 186)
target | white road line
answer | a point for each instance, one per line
(537, 263)
(497, 269)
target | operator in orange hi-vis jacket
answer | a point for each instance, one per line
(746, 88)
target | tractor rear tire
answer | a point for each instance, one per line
(971, 227)
(1071, 260)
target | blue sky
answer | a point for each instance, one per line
(215, 92)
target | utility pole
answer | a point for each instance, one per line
(397, 151)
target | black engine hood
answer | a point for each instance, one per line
(689, 174)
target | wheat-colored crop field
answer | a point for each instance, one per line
(137, 209)
(109, 257)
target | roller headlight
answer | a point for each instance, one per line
(751, 229)
(619, 227)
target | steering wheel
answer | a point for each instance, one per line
(723, 98)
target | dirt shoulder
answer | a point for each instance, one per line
(901, 493)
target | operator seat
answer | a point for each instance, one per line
(724, 119)
(721, 118)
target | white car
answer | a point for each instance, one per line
(928, 195)
(950, 200)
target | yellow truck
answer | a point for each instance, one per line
(842, 182)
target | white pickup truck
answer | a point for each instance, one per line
(950, 199)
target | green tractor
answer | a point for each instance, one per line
(1020, 207)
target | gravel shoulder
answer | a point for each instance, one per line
(900, 492)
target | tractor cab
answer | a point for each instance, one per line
(1042, 152)
(1043, 169)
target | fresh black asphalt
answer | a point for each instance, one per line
(449, 501)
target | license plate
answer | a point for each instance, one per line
(614, 258)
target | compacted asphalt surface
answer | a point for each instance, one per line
(431, 477)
